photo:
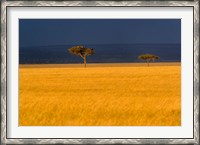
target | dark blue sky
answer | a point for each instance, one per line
(37, 32)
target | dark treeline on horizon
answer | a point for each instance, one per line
(103, 53)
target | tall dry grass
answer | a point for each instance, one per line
(105, 96)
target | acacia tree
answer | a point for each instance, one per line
(148, 57)
(81, 51)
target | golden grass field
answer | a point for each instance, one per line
(100, 95)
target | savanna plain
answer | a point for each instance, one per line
(127, 94)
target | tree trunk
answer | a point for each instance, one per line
(84, 61)
(147, 63)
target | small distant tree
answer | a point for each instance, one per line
(81, 51)
(148, 57)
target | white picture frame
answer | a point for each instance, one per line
(22, 9)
